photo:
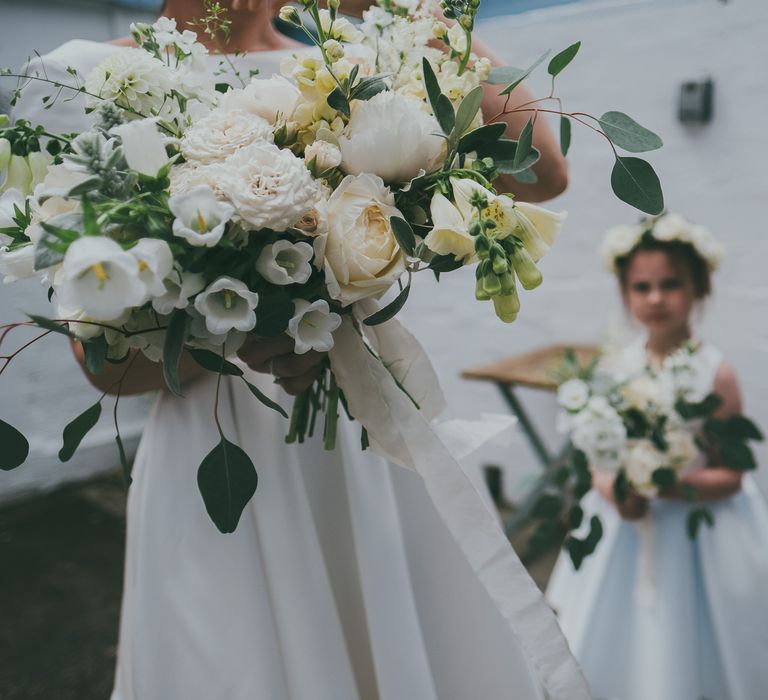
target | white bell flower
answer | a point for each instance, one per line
(227, 304)
(450, 232)
(179, 287)
(155, 263)
(100, 278)
(200, 217)
(17, 264)
(312, 326)
(284, 262)
(200, 336)
(143, 146)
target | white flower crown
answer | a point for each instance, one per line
(620, 240)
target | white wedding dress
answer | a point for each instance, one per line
(341, 581)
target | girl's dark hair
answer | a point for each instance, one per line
(681, 254)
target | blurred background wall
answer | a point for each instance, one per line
(635, 55)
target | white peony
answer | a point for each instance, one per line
(391, 136)
(200, 217)
(266, 98)
(283, 262)
(361, 256)
(222, 133)
(227, 304)
(143, 146)
(312, 326)
(133, 79)
(100, 278)
(573, 394)
(268, 186)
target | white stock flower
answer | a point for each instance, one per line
(457, 38)
(100, 278)
(361, 256)
(268, 98)
(179, 287)
(391, 136)
(618, 242)
(268, 186)
(227, 304)
(599, 432)
(200, 217)
(283, 262)
(17, 264)
(132, 79)
(340, 29)
(143, 146)
(449, 234)
(222, 133)
(9, 200)
(155, 262)
(641, 460)
(312, 326)
(573, 394)
(326, 155)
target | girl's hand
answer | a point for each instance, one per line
(295, 373)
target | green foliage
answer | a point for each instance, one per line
(391, 309)
(441, 105)
(695, 518)
(339, 101)
(524, 146)
(561, 60)
(403, 234)
(76, 430)
(125, 465)
(580, 549)
(50, 325)
(565, 135)
(263, 398)
(95, 353)
(273, 313)
(664, 477)
(173, 348)
(214, 363)
(626, 133)
(548, 506)
(513, 76)
(635, 182)
(227, 480)
(15, 447)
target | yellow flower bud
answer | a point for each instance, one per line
(530, 275)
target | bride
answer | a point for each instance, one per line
(341, 581)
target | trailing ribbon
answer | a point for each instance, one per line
(383, 375)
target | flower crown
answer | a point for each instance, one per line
(620, 240)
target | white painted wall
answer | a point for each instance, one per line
(634, 56)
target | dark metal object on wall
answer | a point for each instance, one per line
(696, 101)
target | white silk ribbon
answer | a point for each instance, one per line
(375, 377)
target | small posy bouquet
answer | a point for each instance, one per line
(646, 429)
(195, 212)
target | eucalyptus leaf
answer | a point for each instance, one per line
(269, 403)
(273, 313)
(445, 115)
(565, 135)
(338, 100)
(173, 348)
(227, 480)
(561, 60)
(430, 83)
(634, 181)
(124, 463)
(390, 310)
(482, 138)
(548, 506)
(15, 447)
(626, 133)
(214, 363)
(77, 429)
(51, 325)
(695, 518)
(368, 87)
(513, 76)
(95, 351)
(467, 111)
(524, 145)
(403, 234)
(526, 176)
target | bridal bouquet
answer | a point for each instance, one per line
(646, 429)
(195, 212)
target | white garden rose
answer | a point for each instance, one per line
(391, 136)
(189, 176)
(573, 394)
(681, 448)
(100, 278)
(267, 98)
(324, 154)
(222, 133)
(133, 79)
(361, 256)
(642, 459)
(268, 186)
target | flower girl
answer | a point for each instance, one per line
(654, 614)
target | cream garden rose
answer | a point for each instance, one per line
(361, 256)
(222, 133)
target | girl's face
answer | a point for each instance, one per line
(659, 294)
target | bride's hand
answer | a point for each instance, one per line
(295, 373)
(632, 507)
